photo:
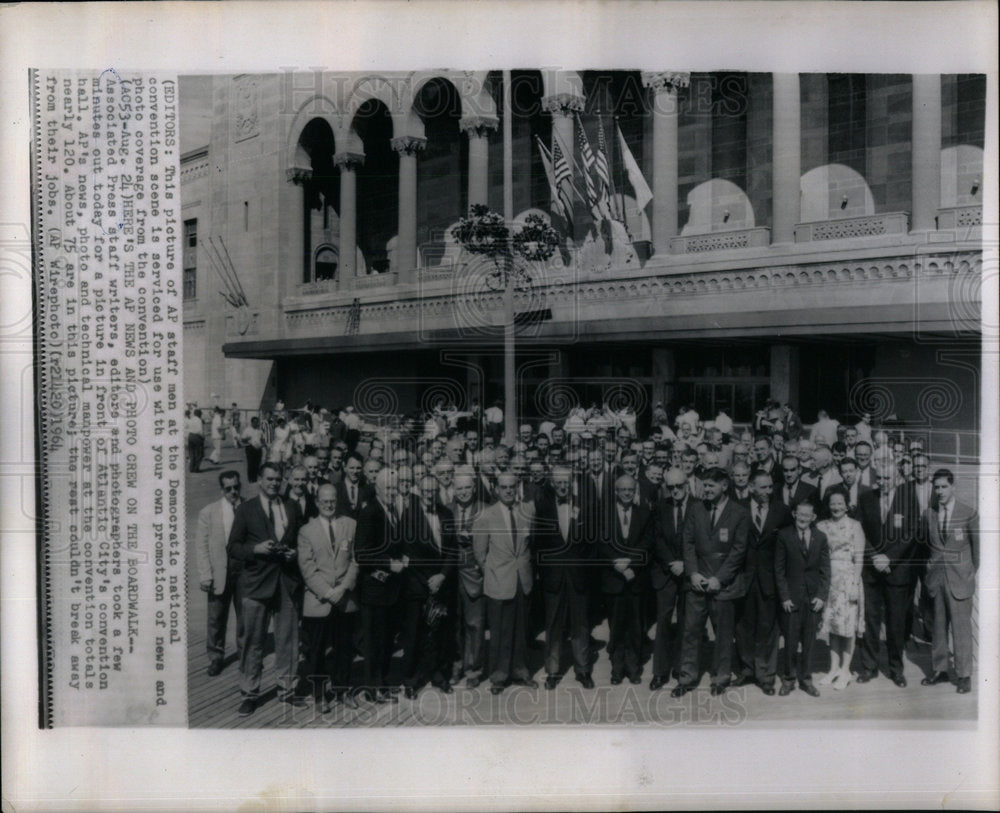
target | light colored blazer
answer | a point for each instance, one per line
(504, 561)
(325, 567)
(210, 546)
(952, 560)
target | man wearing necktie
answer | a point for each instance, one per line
(562, 558)
(950, 531)
(667, 575)
(802, 576)
(500, 543)
(326, 560)
(352, 492)
(470, 608)
(263, 538)
(625, 550)
(298, 492)
(757, 612)
(715, 544)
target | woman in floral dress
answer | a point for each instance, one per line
(843, 616)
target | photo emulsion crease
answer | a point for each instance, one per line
(509, 397)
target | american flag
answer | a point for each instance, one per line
(587, 156)
(605, 193)
(564, 183)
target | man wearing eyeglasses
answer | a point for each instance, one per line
(667, 575)
(217, 573)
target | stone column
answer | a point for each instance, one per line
(348, 162)
(295, 235)
(787, 161)
(406, 240)
(665, 86)
(664, 376)
(785, 374)
(563, 107)
(926, 182)
(477, 129)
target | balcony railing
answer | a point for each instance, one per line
(955, 217)
(720, 241)
(848, 227)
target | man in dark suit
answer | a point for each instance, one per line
(739, 484)
(891, 530)
(715, 543)
(297, 492)
(757, 627)
(263, 539)
(353, 493)
(793, 490)
(378, 552)
(625, 551)
(219, 576)
(426, 612)
(501, 544)
(562, 557)
(950, 532)
(802, 576)
(470, 607)
(666, 574)
(849, 484)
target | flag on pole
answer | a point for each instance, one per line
(587, 157)
(605, 193)
(564, 183)
(557, 202)
(643, 194)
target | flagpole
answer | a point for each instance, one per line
(621, 179)
(509, 366)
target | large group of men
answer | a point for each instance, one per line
(464, 552)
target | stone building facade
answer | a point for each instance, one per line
(811, 237)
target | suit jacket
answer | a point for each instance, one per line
(485, 490)
(801, 577)
(326, 566)
(759, 566)
(470, 575)
(260, 574)
(595, 502)
(425, 559)
(505, 561)
(306, 512)
(895, 537)
(718, 550)
(376, 541)
(366, 494)
(637, 548)
(735, 497)
(669, 543)
(802, 492)
(210, 547)
(558, 557)
(952, 558)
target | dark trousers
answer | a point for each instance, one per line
(566, 612)
(697, 608)
(625, 635)
(890, 602)
(328, 652)
(376, 643)
(799, 626)
(218, 617)
(508, 620)
(196, 450)
(757, 636)
(253, 463)
(666, 645)
(426, 647)
(257, 614)
(957, 614)
(470, 635)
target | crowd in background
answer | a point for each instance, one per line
(362, 541)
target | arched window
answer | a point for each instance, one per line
(325, 263)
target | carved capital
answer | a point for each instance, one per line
(408, 145)
(666, 80)
(348, 160)
(298, 175)
(478, 126)
(564, 103)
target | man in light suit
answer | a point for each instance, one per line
(470, 608)
(715, 545)
(562, 556)
(219, 577)
(326, 561)
(625, 550)
(500, 543)
(264, 539)
(757, 628)
(951, 534)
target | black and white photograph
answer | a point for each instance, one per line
(499, 406)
